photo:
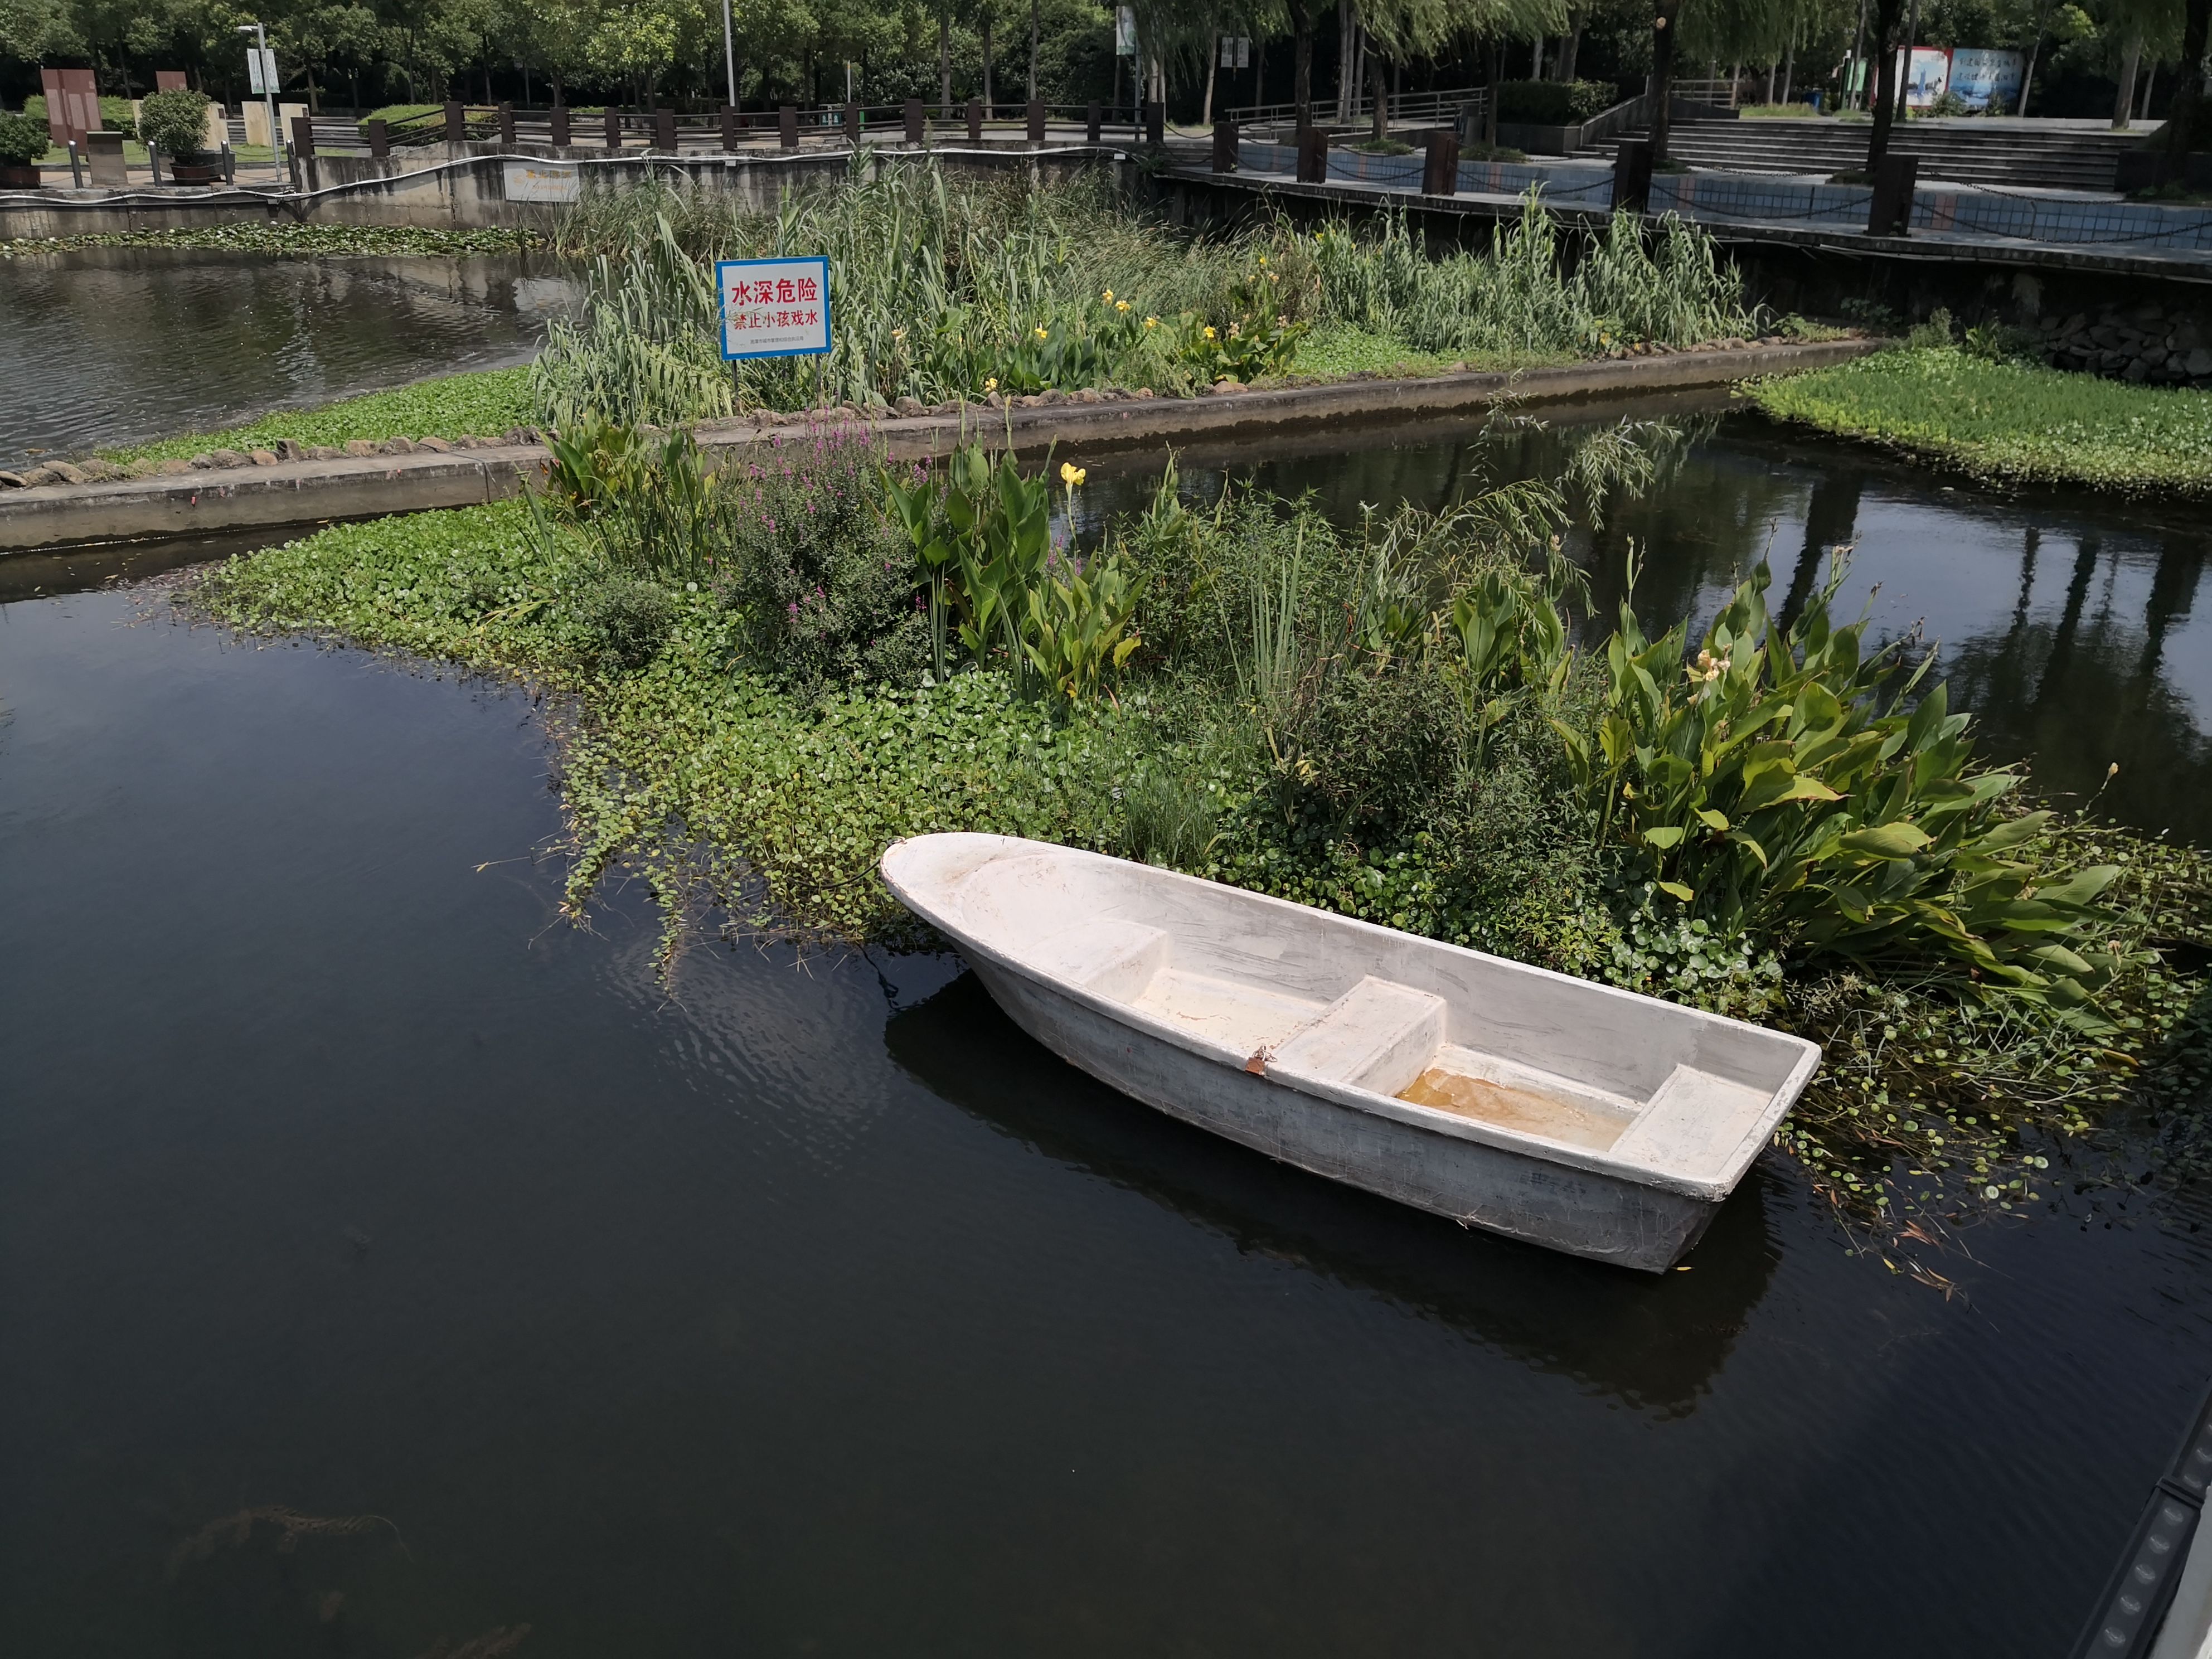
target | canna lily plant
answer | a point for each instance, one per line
(1784, 779)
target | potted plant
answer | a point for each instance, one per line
(23, 140)
(175, 122)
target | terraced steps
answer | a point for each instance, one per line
(1962, 152)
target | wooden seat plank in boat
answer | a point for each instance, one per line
(1379, 1034)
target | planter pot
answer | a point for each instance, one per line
(195, 172)
(21, 179)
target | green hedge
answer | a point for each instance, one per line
(114, 113)
(1554, 103)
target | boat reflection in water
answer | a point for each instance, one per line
(1654, 1344)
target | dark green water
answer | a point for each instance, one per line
(112, 346)
(810, 1309)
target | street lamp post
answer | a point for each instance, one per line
(730, 53)
(260, 47)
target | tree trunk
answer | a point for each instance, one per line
(1570, 46)
(944, 60)
(1213, 63)
(1378, 83)
(2187, 112)
(1346, 41)
(1302, 71)
(1536, 60)
(1033, 50)
(2123, 97)
(1886, 88)
(1858, 50)
(1788, 68)
(1497, 71)
(986, 65)
(1662, 78)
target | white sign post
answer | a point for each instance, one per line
(774, 307)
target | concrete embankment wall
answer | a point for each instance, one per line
(208, 501)
(479, 186)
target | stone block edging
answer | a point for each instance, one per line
(308, 492)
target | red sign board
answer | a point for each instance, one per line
(72, 104)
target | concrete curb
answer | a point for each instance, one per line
(309, 492)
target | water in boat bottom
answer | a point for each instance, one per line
(387, 1263)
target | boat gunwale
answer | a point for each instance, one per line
(1410, 1114)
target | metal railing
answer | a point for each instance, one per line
(1411, 108)
(589, 128)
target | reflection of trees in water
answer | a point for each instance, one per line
(1656, 1342)
(2071, 693)
(2075, 693)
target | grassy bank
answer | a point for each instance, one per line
(803, 660)
(2007, 422)
(485, 402)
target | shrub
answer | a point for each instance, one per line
(175, 122)
(1554, 103)
(22, 140)
(1936, 332)
(824, 591)
(620, 621)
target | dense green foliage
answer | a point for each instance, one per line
(174, 121)
(1394, 723)
(2006, 421)
(482, 403)
(1554, 103)
(284, 238)
(23, 140)
(1516, 301)
(952, 290)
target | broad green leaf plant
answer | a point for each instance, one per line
(1785, 778)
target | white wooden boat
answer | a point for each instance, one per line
(1528, 1103)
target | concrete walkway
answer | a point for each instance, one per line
(278, 494)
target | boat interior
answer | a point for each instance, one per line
(1326, 1004)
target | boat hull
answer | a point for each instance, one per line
(1584, 1212)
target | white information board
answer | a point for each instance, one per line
(261, 69)
(774, 307)
(543, 181)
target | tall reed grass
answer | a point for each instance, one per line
(1527, 295)
(948, 288)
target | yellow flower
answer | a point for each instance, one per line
(898, 334)
(1072, 475)
(1120, 305)
(1108, 296)
(1263, 259)
(1209, 332)
(991, 384)
(1043, 334)
(1151, 322)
